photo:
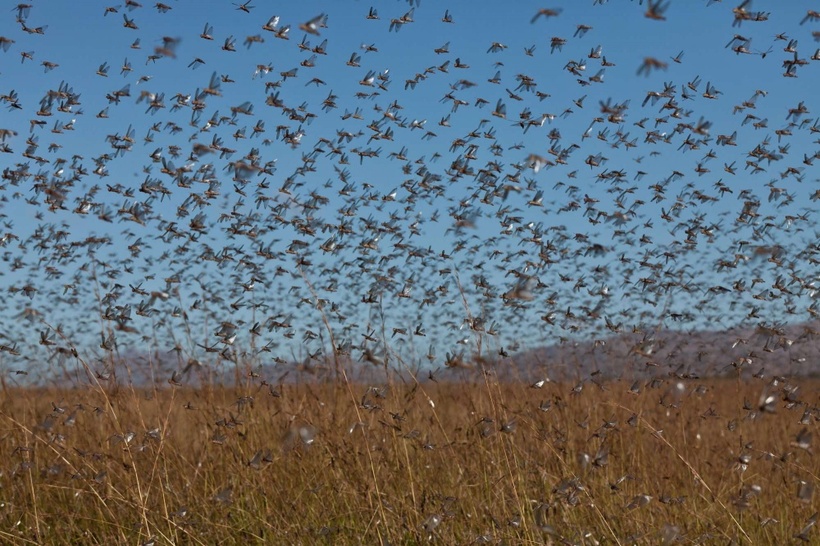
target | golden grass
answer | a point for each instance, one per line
(477, 462)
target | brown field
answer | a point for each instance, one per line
(482, 462)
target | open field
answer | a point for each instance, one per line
(679, 462)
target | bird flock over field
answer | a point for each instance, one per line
(407, 185)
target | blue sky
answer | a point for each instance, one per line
(577, 293)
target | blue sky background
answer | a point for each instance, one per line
(578, 293)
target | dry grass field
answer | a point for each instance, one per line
(478, 462)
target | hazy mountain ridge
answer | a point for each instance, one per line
(792, 350)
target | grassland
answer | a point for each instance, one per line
(664, 462)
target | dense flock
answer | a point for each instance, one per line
(412, 186)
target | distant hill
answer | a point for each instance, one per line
(792, 351)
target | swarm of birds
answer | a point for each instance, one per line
(411, 187)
